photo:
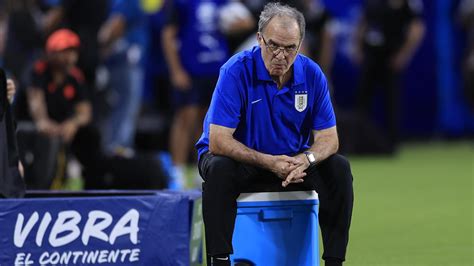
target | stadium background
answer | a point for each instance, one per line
(415, 208)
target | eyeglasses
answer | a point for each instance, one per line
(275, 49)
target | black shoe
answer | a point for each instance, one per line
(333, 262)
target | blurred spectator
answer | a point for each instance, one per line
(157, 70)
(24, 35)
(319, 40)
(194, 50)
(85, 18)
(387, 38)
(466, 15)
(3, 28)
(11, 182)
(238, 23)
(123, 39)
(57, 99)
(56, 94)
(61, 113)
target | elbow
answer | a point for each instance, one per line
(335, 144)
(335, 147)
(214, 146)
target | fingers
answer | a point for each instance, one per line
(10, 84)
(10, 90)
(290, 160)
(287, 168)
(296, 176)
(294, 161)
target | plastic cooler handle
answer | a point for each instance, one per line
(268, 215)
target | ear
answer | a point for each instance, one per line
(260, 40)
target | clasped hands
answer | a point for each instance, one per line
(290, 169)
(66, 130)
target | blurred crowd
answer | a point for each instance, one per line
(103, 85)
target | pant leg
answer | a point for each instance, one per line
(392, 106)
(367, 85)
(224, 179)
(126, 89)
(86, 146)
(332, 179)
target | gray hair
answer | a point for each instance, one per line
(274, 9)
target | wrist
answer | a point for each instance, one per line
(77, 120)
(74, 121)
(311, 157)
(44, 120)
(264, 160)
(177, 70)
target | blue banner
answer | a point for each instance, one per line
(107, 230)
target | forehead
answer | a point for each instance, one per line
(282, 30)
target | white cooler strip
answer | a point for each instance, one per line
(278, 196)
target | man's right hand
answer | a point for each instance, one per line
(181, 80)
(283, 165)
(48, 127)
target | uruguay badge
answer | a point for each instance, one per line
(301, 100)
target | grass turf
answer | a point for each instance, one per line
(415, 208)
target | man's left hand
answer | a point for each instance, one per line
(297, 175)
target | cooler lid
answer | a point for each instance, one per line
(277, 196)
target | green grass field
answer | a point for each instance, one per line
(414, 209)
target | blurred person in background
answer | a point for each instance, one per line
(319, 40)
(3, 28)
(57, 102)
(466, 15)
(194, 49)
(238, 24)
(85, 18)
(388, 35)
(157, 75)
(56, 94)
(24, 35)
(11, 180)
(124, 40)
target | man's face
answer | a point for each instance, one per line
(65, 59)
(279, 42)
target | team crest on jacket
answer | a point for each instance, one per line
(301, 100)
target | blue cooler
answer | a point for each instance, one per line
(277, 228)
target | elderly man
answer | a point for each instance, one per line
(271, 126)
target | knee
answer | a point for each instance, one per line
(218, 168)
(340, 169)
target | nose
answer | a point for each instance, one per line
(280, 54)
